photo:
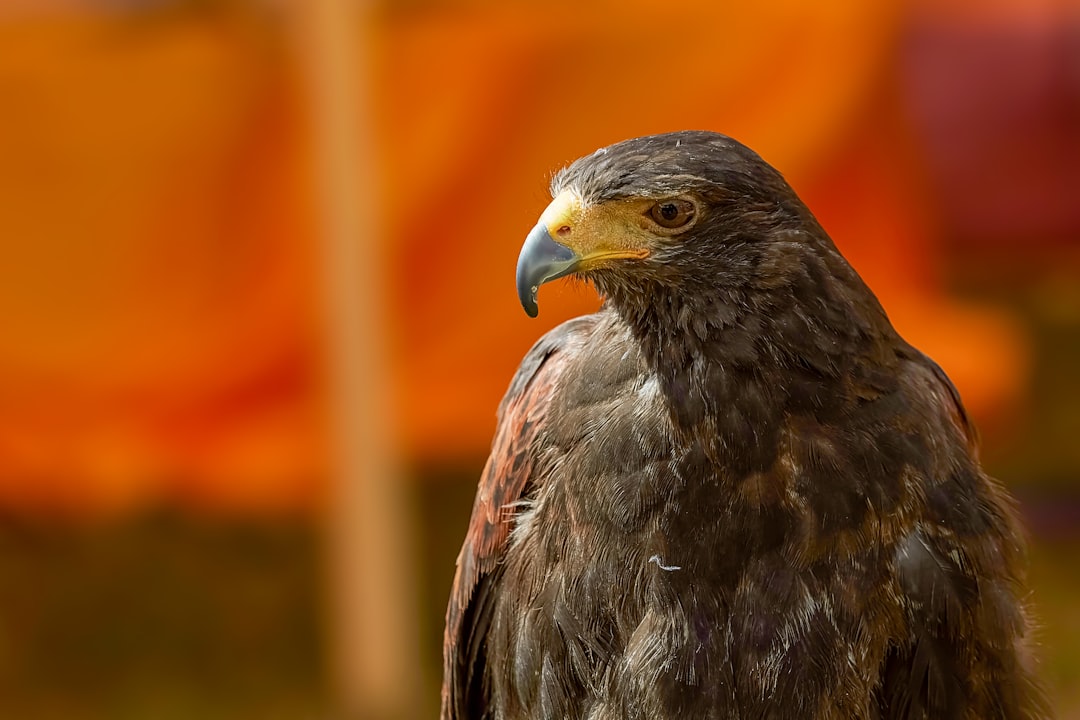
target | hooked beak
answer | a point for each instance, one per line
(541, 259)
(590, 236)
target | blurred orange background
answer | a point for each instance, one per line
(180, 183)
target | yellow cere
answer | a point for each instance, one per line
(596, 233)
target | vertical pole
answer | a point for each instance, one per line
(369, 530)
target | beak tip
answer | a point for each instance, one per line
(527, 296)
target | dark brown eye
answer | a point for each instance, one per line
(672, 214)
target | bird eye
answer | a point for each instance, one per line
(672, 214)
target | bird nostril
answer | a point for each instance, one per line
(563, 231)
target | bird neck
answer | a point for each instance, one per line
(692, 337)
(734, 363)
(685, 329)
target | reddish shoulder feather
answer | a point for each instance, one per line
(507, 478)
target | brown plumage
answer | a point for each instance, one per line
(734, 491)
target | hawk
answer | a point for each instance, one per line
(734, 491)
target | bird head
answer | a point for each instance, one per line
(690, 211)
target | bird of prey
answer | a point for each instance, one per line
(734, 491)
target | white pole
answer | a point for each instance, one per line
(370, 558)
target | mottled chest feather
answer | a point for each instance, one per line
(661, 569)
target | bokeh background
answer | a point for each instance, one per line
(257, 303)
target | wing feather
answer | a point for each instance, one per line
(958, 573)
(507, 478)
